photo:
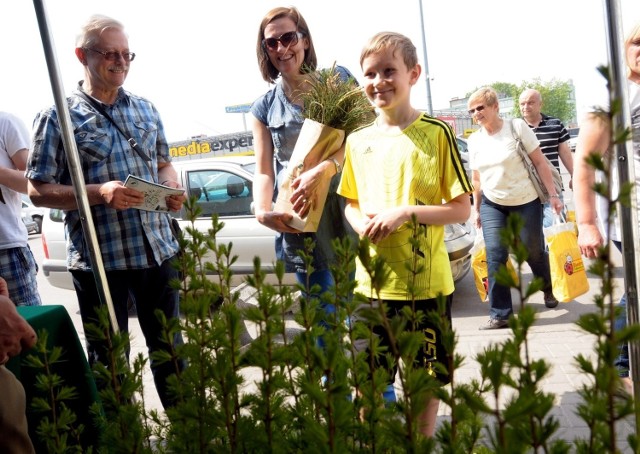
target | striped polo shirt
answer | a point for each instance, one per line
(551, 132)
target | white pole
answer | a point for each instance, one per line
(626, 173)
(77, 179)
(426, 62)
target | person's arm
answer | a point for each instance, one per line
(168, 176)
(354, 216)
(113, 194)
(14, 178)
(477, 196)
(264, 179)
(593, 138)
(542, 167)
(306, 185)
(381, 225)
(564, 152)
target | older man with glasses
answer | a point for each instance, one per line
(117, 134)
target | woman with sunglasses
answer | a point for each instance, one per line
(502, 187)
(285, 56)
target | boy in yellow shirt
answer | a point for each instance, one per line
(406, 163)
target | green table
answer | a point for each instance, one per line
(73, 368)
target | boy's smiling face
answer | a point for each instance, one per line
(387, 80)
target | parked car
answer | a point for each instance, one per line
(573, 137)
(225, 186)
(54, 248)
(463, 148)
(34, 213)
(30, 224)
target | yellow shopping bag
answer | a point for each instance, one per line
(571, 217)
(480, 270)
(479, 266)
(568, 275)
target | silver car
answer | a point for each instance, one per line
(33, 213)
(30, 224)
(225, 186)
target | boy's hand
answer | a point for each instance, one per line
(381, 225)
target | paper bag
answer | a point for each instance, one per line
(315, 144)
(568, 275)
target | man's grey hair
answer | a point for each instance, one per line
(93, 28)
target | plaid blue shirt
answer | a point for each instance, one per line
(128, 239)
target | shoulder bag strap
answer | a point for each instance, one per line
(134, 145)
(519, 145)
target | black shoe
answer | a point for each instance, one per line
(495, 323)
(549, 300)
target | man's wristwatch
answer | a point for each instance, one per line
(338, 166)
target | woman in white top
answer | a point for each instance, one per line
(502, 187)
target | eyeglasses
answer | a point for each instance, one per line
(113, 55)
(477, 109)
(286, 39)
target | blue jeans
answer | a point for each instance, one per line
(150, 290)
(324, 279)
(494, 219)
(622, 361)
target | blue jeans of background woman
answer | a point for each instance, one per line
(494, 219)
(622, 361)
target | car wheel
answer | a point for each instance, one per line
(38, 221)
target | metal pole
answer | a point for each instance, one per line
(77, 179)
(426, 62)
(626, 173)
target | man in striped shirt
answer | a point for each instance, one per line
(553, 137)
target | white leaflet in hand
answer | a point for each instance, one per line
(154, 194)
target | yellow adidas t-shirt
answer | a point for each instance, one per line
(419, 166)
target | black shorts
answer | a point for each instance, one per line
(432, 350)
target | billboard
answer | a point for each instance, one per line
(209, 146)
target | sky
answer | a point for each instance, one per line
(196, 57)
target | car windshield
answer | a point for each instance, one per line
(251, 168)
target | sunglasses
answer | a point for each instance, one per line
(286, 39)
(477, 109)
(114, 56)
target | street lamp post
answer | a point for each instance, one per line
(426, 62)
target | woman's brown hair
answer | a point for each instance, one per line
(268, 71)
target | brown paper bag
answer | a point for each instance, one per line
(315, 143)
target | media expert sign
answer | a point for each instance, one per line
(212, 145)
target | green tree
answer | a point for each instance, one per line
(556, 98)
(504, 90)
